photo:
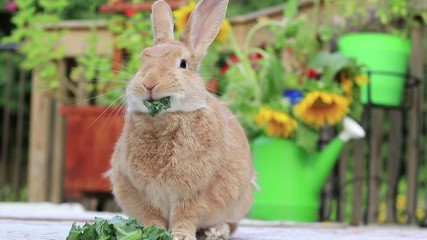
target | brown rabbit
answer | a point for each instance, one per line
(189, 168)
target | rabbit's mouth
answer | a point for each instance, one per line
(155, 106)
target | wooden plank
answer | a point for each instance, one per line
(18, 161)
(414, 126)
(342, 172)
(393, 162)
(375, 164)
(122, 7)
(75, 39)
(359, 166)
(5, 138)
(57, 171)
(40, 143)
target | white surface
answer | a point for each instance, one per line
(50, 221)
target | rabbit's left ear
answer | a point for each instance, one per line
(204, 24)
(162, 20)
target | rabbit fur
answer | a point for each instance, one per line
(188, 169)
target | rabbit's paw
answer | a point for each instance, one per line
(181, 235)
(218, 232)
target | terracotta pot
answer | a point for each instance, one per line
(91, 133)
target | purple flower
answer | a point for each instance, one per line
(11, 6)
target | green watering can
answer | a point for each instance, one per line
(290, 179)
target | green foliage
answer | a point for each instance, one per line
(245, 6)
(118, 228)
(255, 85)
(244, 107)
(82, 9)
(8, 194)
(397, 17)
(307, 137)
(132, 35)
(36, 44)
(37, 34)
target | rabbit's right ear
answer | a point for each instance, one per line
(204, 24)
(162, 20)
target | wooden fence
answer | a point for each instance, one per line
(13, 122)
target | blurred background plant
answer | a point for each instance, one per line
(397, 17)
(291, 87)
(36, 22)
(209, 67)
(103, 77)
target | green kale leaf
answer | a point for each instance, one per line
(118, 228)
(157, 105)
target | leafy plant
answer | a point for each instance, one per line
(397, 17)
(98, 76)
(245, 6)
(118, 228)
(36, 43)
(261, 91)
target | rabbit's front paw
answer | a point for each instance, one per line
(181, 235)
(219, 232)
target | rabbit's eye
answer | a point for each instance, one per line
(183, 64)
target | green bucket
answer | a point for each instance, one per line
(386, 56)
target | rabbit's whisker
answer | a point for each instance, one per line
(116, 89)
(106, 109)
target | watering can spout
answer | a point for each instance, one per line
(352, 130)
(325, 160)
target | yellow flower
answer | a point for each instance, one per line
(278, 124)
(347, 88)
(183, 14)
(224, 31)
(320, 108)
(401, 202)
(420, 213)
(361, 80)
(263, 116)
(382, 213)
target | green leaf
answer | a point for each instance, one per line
(104, 230)
(158, 105)
(272, 79)
(118, 228)
(307, 137)
(88, 232)
(291, 8)
(74, 233)
(154, 232)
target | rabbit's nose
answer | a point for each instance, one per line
(149, 87)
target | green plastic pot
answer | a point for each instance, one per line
(380, 53)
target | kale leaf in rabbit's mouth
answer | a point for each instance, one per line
(155, 106)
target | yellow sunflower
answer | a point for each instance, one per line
(361, 80)
(263, 116)
(320, 108)
(278, 124)
(347, 88)
(224, 31)
(183, 14)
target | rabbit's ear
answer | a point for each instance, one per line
(162, 20)
(204, 24)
